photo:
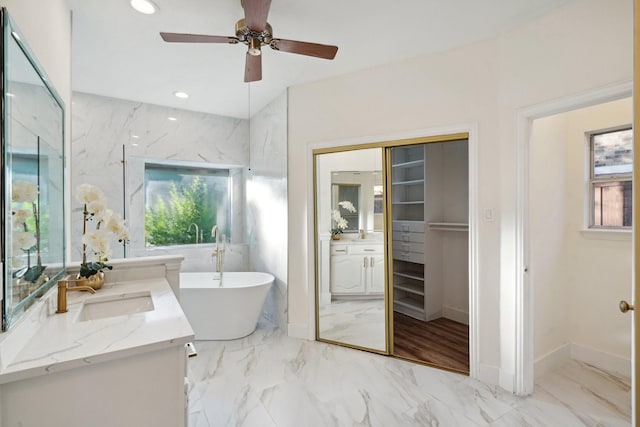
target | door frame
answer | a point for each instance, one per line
(475, 370)
(522, 345)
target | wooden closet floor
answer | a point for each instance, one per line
(441, 342)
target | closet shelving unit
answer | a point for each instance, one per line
(428, 199)
(408, 207)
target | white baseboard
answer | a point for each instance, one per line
(507, 380)
(325, 298)
(605, 361)
(552, 360)
(488, 374)
(299, 330)
(455, 314)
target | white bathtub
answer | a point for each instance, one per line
(223, 312)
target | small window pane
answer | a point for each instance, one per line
(183, 204)
(612, 204)
(612, 153)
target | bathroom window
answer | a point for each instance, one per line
(182, 204)
(611, 176)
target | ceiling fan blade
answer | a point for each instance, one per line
(255, 14)
(253, 68)
(196, 38)
(303, 48)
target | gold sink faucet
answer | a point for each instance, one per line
(63, 288)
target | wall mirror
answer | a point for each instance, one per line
(32, 177)
(350, 254)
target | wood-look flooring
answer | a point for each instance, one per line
(441, 342)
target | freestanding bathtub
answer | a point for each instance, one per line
(227, 310)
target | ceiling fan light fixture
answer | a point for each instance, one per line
(146, 7)
(254, 47)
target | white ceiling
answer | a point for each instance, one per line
(118, 52)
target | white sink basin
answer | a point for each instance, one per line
(116, 305)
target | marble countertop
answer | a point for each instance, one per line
(53, 342)
(356, 242)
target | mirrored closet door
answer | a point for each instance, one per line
(350, 254)
(392, 249)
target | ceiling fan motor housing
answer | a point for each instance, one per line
(246, 34)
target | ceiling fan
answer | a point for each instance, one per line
(255, 32)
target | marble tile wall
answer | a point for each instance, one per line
(103, 127)
(267, 204)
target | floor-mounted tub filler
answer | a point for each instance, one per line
(223, 310)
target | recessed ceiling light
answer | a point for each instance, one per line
(135, 136)
(135, 144)
(10, 95)
(144, 6)
(173, 119)
(182, 95)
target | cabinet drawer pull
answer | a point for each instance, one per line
(369, 250)
(364, 262)
(371, 263)
(341, 250)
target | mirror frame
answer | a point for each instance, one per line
(10, 33)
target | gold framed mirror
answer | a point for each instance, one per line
(351, 304)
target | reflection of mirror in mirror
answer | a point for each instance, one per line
(351, 267)
(33, 232)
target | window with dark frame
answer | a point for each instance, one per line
(611, 174)
(183, 203)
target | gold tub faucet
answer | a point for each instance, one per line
(63, 288)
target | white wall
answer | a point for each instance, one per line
(578, 276)
(482, 84)
(455, 244)
(548, 269)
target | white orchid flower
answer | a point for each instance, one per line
(20, 216)
(342, 223)
(113, 223)
(23, 240)
(345, 204)
(96, 240)
(23, 191)
(97, 208)
(87, 193)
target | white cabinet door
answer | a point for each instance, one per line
(347, 274)
(375, 274)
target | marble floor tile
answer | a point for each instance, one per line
(269, 379)
(356, 322)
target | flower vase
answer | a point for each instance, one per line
(336, 236)
(96, 280)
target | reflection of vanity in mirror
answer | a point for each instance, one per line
(357, 259)
(351, 270)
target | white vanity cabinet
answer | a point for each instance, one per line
(147, 389)
(357, 269)
(111, 370)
